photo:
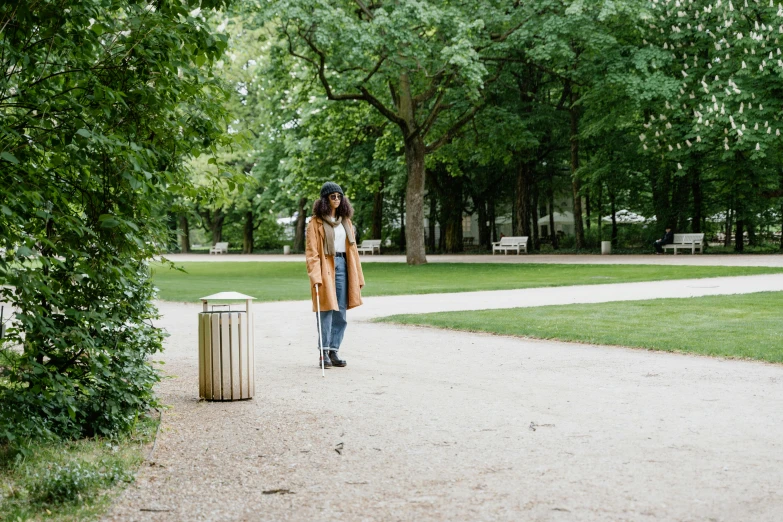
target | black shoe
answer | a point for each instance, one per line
(336, 361)
(326, 359)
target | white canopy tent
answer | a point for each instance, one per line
(626, 216)
(564, 222)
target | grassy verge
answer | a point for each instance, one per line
(70, 481)
(288, 281)
(743, 326)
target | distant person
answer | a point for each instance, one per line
(333, 266)
(667, 239)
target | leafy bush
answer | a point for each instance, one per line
(270, 234)
(92, 142)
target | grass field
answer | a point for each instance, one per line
(72, 481)
(743, 326)
(288, 281)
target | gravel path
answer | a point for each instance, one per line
(435, 425)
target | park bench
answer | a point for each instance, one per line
(692, 242)
(511, 243)
(371, 246)
(219, 248)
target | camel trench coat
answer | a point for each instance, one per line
(320, 268)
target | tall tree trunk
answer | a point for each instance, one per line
(415, 151)
(433, 219)
(679, 199)
(403, 232)
(550, 193)
(442, 228)
(484, 239)
(214, 221)
(587, 208)
(612, 200)
(752, 237)
(534, 218)
(184, 238)
(739, 235)
(696, 219)
(451, 210)
(728, 225)
(414, 202)
(247, 233)
(377, 212)
(598, 205)
(660, 182)
(299, 233)
(522, 199)
(493, 217)
(575, 184)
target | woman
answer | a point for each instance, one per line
(334, 267)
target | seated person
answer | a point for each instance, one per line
(667, 239)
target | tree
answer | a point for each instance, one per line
(419, 65)
(100, 103)
(726, 111)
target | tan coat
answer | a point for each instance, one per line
(320, 268)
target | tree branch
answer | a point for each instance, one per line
(436, 109)
(374, 70)
(375, 102)
(453, 132)
(364, 9)
(433, 88)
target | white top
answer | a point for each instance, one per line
(339, 238)
(226, 296)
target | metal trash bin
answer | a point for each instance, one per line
(225, 349)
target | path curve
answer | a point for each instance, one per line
(438, 425)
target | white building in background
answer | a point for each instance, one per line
(563, 221)
(289, 225)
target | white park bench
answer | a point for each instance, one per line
(219, 248)
(371, 246)
(511, 243)
(692, 242)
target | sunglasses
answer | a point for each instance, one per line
(335, 196)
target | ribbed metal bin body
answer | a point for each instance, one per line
(225, 356)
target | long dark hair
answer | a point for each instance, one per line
(322, 208)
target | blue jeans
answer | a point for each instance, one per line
(333, 322)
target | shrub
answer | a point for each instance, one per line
(89, 156)
(72, 481)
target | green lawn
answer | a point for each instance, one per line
(744, 326)
(70, 481)
(288, 281)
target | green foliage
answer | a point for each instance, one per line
(70, 480)
(100, 102)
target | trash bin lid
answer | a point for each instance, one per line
(226, 296)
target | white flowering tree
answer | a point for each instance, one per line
(725, 116)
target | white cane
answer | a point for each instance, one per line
(320, 339)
